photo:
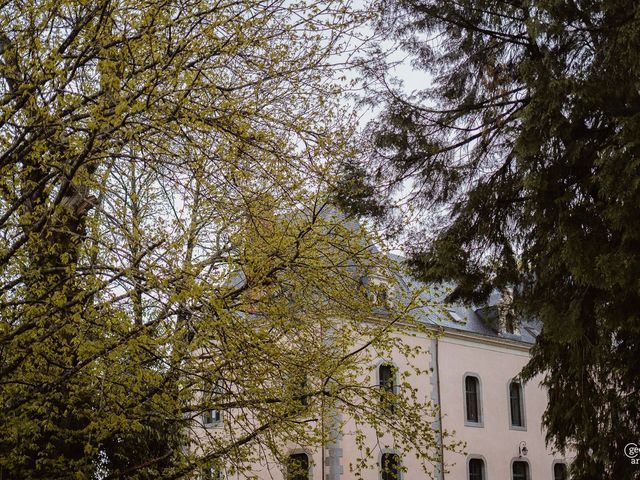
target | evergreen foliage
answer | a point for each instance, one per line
(528, 139)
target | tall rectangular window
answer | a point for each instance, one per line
(390, 466)
(516, 404)
(472, 398)
(298, 467)
(211, 396)
(386, 377)
(297, 386)
(560, 471)
(520, 471)
(476, 469)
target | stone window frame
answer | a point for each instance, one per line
(467, 422)
(523, 406)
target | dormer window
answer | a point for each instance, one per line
(377, 289)
(457, 317)
(499, 318)
(380, 294)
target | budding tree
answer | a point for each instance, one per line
(166, 247)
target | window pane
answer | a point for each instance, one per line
(387, 383)
(559, 471)
(298, 467)
(476, 469)
(515, 400)
(386, 377)
(520, 471)
(471, 393)
(212, 416)
(390, 466)
(211, 395)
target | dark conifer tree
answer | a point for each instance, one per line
(529, 138)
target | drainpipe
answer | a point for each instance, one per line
(440, 442)
(322, 454)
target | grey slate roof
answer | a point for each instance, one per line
(437, 312)
(463, 318)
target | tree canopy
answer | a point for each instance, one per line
(167, 250)
(523, 152)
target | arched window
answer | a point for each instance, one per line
(386, 379)
(476, 469)
(520, 471)
(473, 413)
(516, 404)
(298, 467)
(560, 471)
(390, 466)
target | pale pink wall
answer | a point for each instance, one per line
(269, 469)
(424, 387)
(496, 363)
(495, 441)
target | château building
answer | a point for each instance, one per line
(474, 361)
